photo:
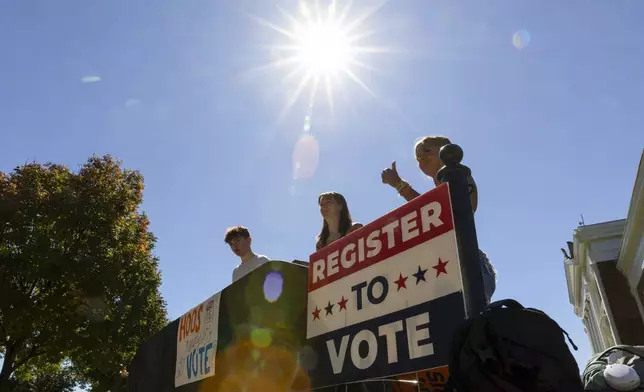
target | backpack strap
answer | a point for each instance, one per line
(454, 360)
(508, 303)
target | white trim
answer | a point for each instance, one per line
(601, 313)
(604, 301)
(594, 325)
(569, 269)
(638, 300)
(577, 273)
(639, 260)
(600, 230)
(630, 263)
(590, 326)
(600, 340)
(577, 267)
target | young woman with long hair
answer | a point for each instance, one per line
(337, 223)
(336, 219)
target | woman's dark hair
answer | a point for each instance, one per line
(345, 219)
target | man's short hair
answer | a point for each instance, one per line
(235, 232)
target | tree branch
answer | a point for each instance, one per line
(17, 281)
(3, 335)
(10, 354)
(33, 287)
(33, 353)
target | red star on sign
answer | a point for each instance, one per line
(401, 282)
(343, 303)
(316, 314)
(440, 267)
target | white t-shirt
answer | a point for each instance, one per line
(244, 268)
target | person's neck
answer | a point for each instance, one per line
(248, 256)
(334, 225)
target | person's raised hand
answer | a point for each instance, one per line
(390, 175)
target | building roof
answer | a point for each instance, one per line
(576, 267)
(631, 253)
(630, 256)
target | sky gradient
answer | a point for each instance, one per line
(551, 122)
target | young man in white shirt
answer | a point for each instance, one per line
(239, 240)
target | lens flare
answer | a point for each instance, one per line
(261, 337)
(306, 155)
(521, 39)
(273, 285)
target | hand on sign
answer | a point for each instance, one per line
(390, 175)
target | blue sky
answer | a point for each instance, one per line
(550, 131)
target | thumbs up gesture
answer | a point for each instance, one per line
(390, 175)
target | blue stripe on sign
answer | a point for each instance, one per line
(393, 344)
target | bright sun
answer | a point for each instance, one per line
(322, 48)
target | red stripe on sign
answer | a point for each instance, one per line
(420, 220)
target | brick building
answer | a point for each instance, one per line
(604, 269)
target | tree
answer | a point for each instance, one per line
(78, 280)
(43, 377)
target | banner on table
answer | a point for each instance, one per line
(385, 299)
(197, 342)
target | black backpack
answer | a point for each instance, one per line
(509, 348)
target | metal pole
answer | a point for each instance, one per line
(456, 175)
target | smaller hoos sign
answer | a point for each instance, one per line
(197, 342)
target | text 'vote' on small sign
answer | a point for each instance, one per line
(197, 342)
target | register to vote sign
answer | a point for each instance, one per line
(197, 342)
(385, 299)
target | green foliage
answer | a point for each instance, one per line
(43, 378)
(78, 280)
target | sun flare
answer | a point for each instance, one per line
(322, 49)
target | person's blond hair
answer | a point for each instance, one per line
(435, 141)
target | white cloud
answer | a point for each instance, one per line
(90, 79)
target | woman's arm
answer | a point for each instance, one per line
(390, 177)
(407, 192)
